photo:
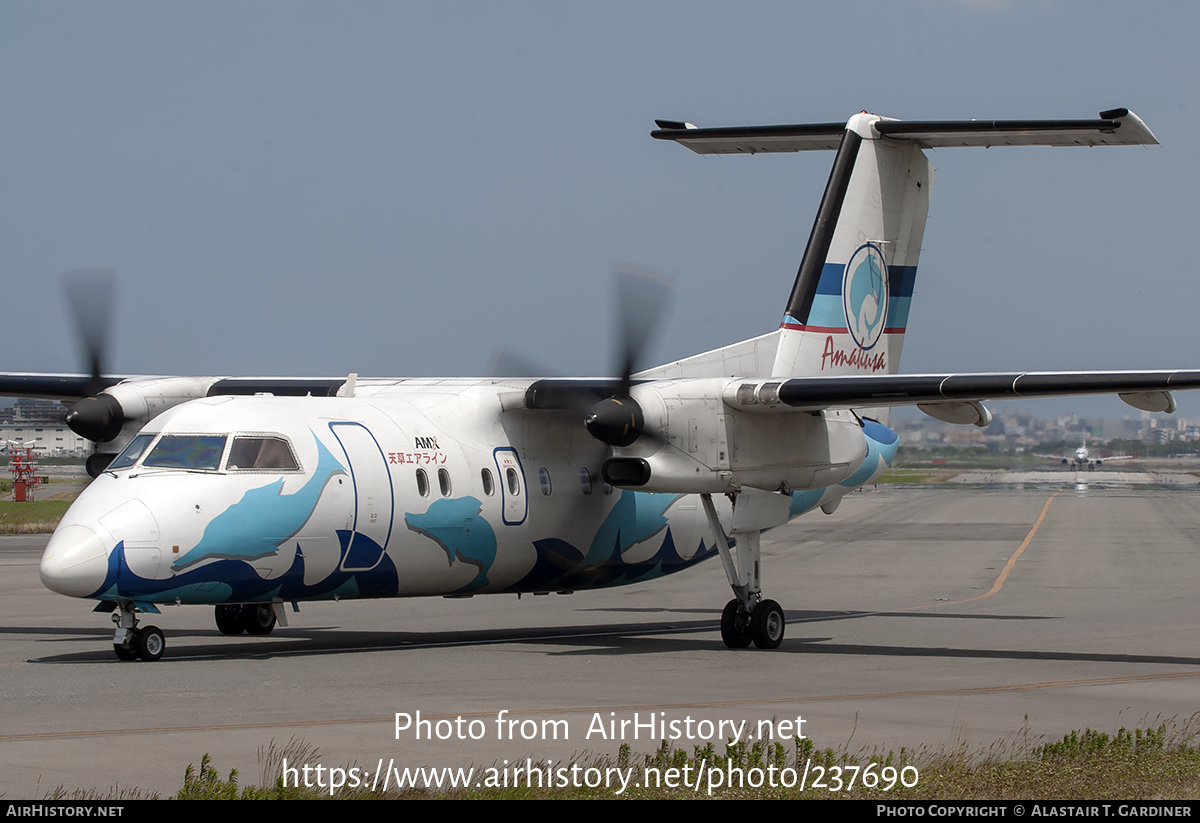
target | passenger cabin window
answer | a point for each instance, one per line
(544, 477)
(183, 451)
(261, 454)
(130, 454)
(422, 483)
(585, 480)
(514, 483)
(489, 485)
(444, 482)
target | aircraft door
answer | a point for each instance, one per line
(364, 546)
(512, 485)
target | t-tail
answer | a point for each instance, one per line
(848, 309)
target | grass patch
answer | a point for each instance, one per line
(915, 476)
(39, 516)
(1160, 762)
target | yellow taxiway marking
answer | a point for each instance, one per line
(1003, 576)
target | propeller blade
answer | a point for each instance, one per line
(508, 362)
(89, 293)
(642, 298)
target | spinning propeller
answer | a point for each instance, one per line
(642, 297)
(611, 415)
(98, 417)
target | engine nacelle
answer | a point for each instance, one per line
(696, 443)
(115, 415)
(143, 400)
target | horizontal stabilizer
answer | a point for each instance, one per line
(753, 139)
(1116, 127)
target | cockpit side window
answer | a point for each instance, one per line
(261, 454)
(186, 451)
(130, 454)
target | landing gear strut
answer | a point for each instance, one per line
(747, 618)
(131, 642)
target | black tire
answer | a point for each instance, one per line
(150, 643)
(229, 620)
(123, 652)
(258, 618)
(767, 624)
(735, 626)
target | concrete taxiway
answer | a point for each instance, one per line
(917, 616)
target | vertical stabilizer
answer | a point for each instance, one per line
(848, 309)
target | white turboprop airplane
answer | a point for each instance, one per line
(249, 493)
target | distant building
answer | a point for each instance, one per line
(40, 412)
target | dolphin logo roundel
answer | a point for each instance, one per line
(865, 295)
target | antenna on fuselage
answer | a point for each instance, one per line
(347, 389)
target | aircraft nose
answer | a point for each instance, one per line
(75, 561)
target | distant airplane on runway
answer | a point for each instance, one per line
(1081, 458)
(251, 493)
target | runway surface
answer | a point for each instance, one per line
(917, 616)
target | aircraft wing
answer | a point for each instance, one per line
(954, 398)
(67, 387)
(52, 386)
(1146, 390)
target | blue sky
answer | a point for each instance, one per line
(397, 188)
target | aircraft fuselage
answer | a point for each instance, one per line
(421, 488)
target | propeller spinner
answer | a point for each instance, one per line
(642, 297)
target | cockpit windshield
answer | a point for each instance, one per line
(130, 454)
(186, 451)
(203, 452)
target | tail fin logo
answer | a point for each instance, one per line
(865, 295)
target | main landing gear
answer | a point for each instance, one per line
(762, 625)
(251, 618)
(748, 618)
(133, 642)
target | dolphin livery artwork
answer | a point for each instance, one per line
(250, 494)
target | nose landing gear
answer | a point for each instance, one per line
(131, 642)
